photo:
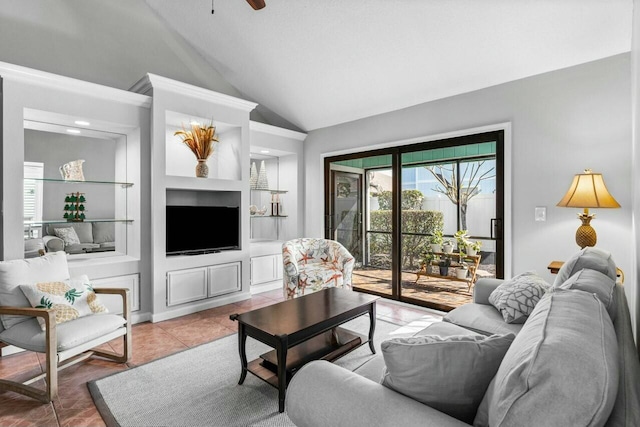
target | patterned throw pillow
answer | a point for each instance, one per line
(516, 298)
(70, 299)
(68, 235)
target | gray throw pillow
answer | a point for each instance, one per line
(448, 374)
(594, 282)
(562, 369)
(516, 298)
(104, 232)
(591, 258)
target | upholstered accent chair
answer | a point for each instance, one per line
(314, 264)
(63, 342)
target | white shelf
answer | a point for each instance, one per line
(270, 191)
(173, 182)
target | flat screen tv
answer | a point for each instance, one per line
(202, 229)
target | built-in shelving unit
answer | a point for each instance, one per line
(38, 109)
(184, 284)
(282, 152)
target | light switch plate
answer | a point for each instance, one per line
(541, 213)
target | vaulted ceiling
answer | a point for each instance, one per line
(324, 62)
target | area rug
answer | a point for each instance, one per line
(199, 386)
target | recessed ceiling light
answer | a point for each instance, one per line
(82, 123)
(264, 151)
(194, 123)
(76, 131)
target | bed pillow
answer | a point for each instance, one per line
(516, 298)
(70, 299)
(448, 374)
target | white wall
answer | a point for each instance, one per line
(562, 122)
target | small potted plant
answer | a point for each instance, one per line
(447, 247)
(427, 257)
(461, 271)
(474, 248)
(435, 240)
(462, 240)
(444, 263)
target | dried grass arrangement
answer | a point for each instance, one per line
(199, 139)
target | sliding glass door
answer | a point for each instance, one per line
(358, 215)
(386, 206)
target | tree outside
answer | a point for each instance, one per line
(472, 175)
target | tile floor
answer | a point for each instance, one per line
(74, 406)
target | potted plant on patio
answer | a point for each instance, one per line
(427, 258)
(444, 263)
(462, 240)
(461, 271)
(447, 246)
(435, 240)
(474, 248)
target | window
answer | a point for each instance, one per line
(33, 174)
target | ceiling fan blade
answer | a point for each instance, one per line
(256, 4)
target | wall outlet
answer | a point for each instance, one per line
(541, 213)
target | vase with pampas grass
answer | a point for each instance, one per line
(200, 140)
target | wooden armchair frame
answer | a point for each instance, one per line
(53, 365)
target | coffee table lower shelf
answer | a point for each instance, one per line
(321, 347)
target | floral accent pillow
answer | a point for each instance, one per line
(516, 298)
(68, 235)
(70, 299)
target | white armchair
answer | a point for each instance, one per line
(314, 264)
(63, 344)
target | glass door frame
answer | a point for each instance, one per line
(497, 231)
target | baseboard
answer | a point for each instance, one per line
(266, 287)
(8, 350)
(206, 304)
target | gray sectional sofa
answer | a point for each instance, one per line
(93, 236)
(573, 362)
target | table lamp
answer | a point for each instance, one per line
(587, 191)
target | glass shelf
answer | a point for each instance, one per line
(268, 216)
(270, 191)
(64, 221)
(67, 181)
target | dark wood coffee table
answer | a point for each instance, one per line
(301, 330)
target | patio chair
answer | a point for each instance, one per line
(313, 264)
(64, 344)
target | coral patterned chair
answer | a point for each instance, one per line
(314, 264)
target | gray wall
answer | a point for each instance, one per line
(113, 43)
(54, 150)
(562, 122)
(635, 81)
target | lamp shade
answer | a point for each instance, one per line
(588, 190)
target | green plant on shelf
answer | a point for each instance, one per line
(74, 208)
